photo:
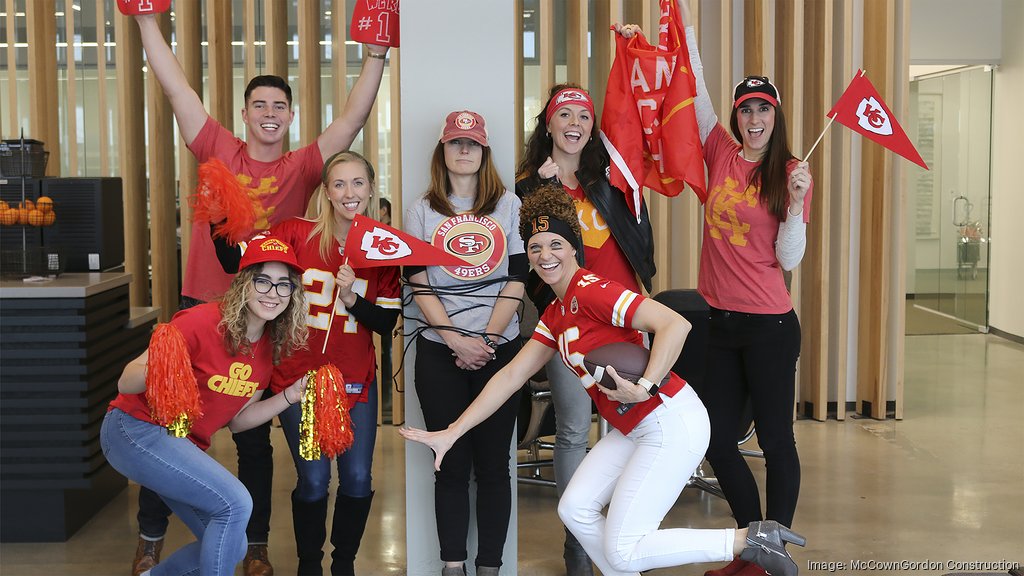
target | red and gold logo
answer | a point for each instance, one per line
(478, 240)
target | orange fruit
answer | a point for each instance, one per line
(28, 205)
(45, 204)
(36, 217)
(22, 215)
(3, 205)
(8, 216)
(49, 218)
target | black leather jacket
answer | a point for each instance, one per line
(636, 240)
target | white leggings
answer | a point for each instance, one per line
(639, 477)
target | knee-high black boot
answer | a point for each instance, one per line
(310, 522)
(350, 516)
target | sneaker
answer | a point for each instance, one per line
(147, 555)
(256, 562)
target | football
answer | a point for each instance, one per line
(629, 361)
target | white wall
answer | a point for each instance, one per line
(455, 54)
(1006, 307)
(957, 32)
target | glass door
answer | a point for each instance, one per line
(947, 280)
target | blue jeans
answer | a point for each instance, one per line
(209, 499)
(354, 466)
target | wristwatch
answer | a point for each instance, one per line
(651, 387)
(487, 340)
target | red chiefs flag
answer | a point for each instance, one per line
(370, 244)
(649, 126)
(135, 7)
(861, 109)
(375, 22)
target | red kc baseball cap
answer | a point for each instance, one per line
(464, 124)
(755, 87)
(267, 248)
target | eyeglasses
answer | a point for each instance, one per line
(263, 286)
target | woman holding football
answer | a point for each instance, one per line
(660, 432)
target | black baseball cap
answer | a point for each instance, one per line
(755, 87)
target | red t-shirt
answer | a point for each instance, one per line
(351, 344)
(280, 189)
(596, 312)
(602, 254)
(225, 382)
(738, 267)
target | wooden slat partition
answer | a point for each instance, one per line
(339, 62)
(546, 48)
(101, 88)
(276, 33)
(220, 62)
(311, 116)
(816, 72)
(12, 72)
(577, 61)
(602, 50)
(163, 212)
(876, 241)
(397, 211)
(41, 26)
(839, 218)
(249, 31)
(756, 49)
(727, 77)
(898, 204)
(72, 87)
(188, 29)
(132, 148)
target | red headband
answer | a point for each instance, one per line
(565, 96)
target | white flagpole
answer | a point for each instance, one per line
(330, 322)
(830, 121)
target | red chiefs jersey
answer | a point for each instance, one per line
(225, 382)
(351, 344)
(595, 312)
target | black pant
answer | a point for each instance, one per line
(445, 391)
(255, 470)
(754, 355)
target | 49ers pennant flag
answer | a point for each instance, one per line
(370, 244)
(861, 109)
(375, 22)
(649, 126)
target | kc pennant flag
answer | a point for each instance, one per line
(861, 109)
(375, 22)
(649, 126)
(370, 244)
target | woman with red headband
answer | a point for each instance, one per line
(565, 149)
(754, 334)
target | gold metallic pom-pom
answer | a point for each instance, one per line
(180, 427)
(309, 448)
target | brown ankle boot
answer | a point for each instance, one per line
(147, 555)
(256, 562)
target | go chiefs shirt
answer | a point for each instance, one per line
(351, 344)
(225, 382)
(595, 312)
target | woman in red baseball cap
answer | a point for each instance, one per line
(231, 347)
(759, 200)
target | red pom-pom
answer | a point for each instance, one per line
(333, 429)
(221, 200)
(171, 389)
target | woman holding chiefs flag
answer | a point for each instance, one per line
(754, 228)
(564, 148)
(364, 300)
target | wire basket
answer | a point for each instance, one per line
(18, 264)
(20, 158)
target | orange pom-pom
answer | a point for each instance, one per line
(333, 426)
(221, 200)
(171, 389)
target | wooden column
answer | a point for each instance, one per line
(898, 206)
(839, 217)
(101, 88)
(275, 31)
(727, 78)
(188, 28)
(602, 50)
(249, 32)
(546, 49)
(576, 26)
(72, 88)
(220, 63)
(163, 212)
(41, 26)
(816, 72)
(13, 127)
(340, 60)
(397, 211)
(876, 242)
(132, 147)
(310, 117)
(756, 49)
